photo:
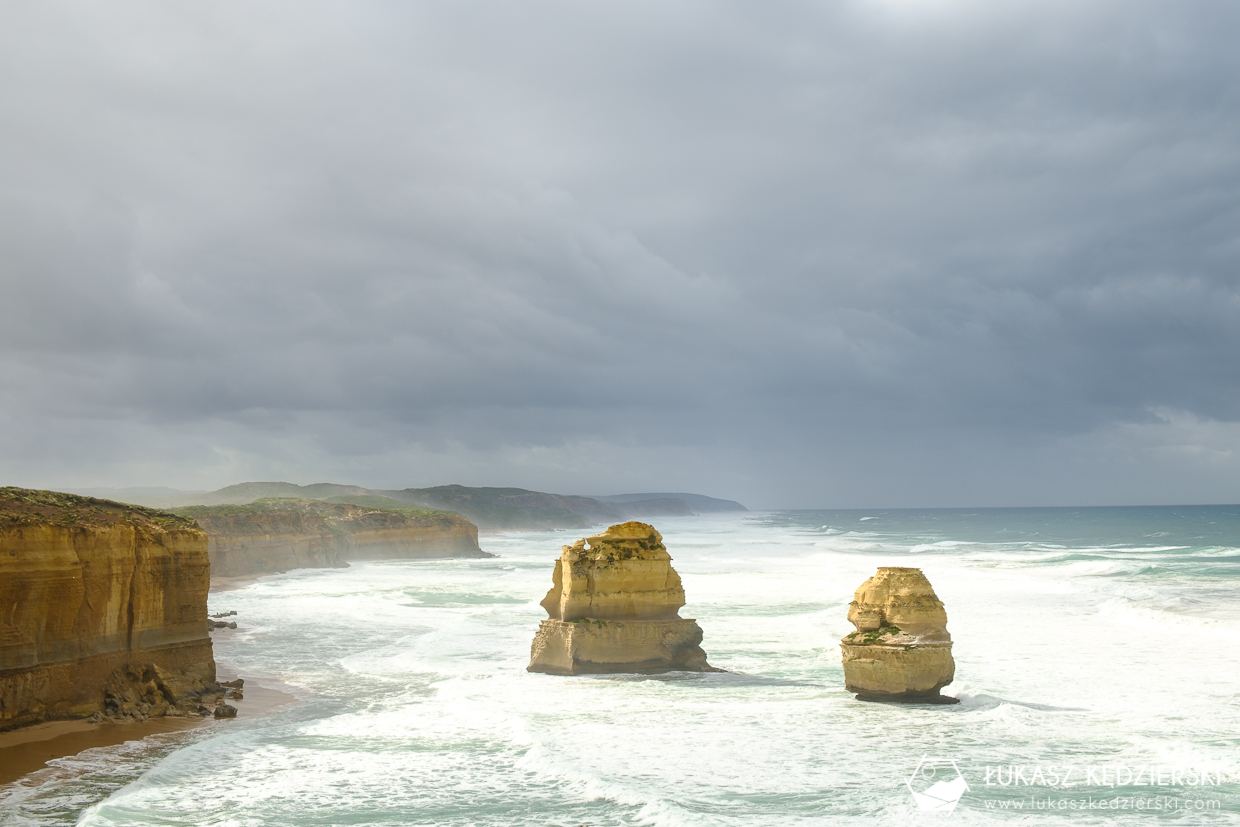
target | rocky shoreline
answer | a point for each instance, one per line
(28, 751)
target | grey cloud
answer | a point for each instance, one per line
(825, 253)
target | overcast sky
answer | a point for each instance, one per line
(863, 253)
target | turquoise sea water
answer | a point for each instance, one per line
(1102, 642)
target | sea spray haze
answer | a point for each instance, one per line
(1085, 638)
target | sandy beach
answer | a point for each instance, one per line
(27, 750)
(228, 584)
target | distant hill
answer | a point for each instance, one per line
(699, 503)
(151, 497)
(511, 508)
(491, 509)
(247, 492)
(240, 494)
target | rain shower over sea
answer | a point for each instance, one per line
(1100, 641)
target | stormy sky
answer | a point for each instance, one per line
(859, 253)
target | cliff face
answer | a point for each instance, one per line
(383, 535)
(263, 543)
(614, 607)
(275, 535)
(901, 650)
(101, 605)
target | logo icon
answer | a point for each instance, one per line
(936, 784)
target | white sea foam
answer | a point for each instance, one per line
(418, 710)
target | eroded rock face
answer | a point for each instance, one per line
(276, 535)
(103, 610)
(614, 607)
(901, 650)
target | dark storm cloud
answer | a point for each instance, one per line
(890, 252)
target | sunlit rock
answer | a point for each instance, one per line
(614, 607)
(901, 650)
(103, 610)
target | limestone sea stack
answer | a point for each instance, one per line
(103, 611)
(614, 607)
(901, 650)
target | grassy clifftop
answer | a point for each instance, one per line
(27, 506)
(489, 508)
(248, 492)
(334, 510)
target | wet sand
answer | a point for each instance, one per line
(227, 584)
(27, 750)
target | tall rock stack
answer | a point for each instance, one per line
(901, 650)
(614, 607)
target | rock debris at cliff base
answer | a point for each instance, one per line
(104, 611)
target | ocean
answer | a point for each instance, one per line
(1097, 666)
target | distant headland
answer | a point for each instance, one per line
(490, 509)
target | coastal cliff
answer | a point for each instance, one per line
(491, 509)
(276, 534)
(614, 607)
(103, 610)
(901, 650)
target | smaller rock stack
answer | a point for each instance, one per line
(901, 650)
(614, 607)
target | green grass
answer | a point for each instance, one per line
(27, 506)
(872, 636)
(333, 510)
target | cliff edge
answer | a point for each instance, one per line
(614, 607)
(103, 610)
(275, 534)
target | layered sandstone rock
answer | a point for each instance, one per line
(103, 609)
(245, 542)
(276, 535)
(901, 650)
(376, 534)
(614, 607)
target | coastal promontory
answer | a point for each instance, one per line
(614, 607)
(278, 534)
(103, 610)
(901, 650)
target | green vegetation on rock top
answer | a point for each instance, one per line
(26, 506)
(383, 504)
(872, 636)
(246, 492)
